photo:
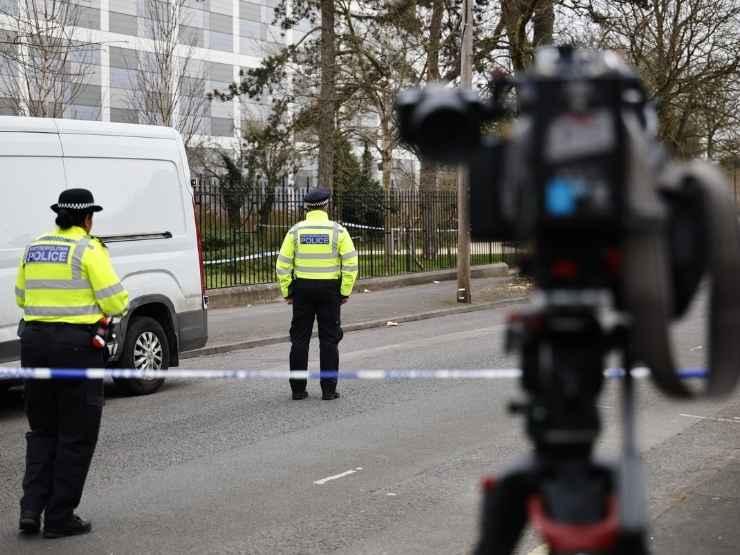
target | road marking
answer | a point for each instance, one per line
(337, 476)
(733, 420)
(541, 550)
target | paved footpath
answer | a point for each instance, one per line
(263, 324)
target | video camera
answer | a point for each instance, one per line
(619, 239)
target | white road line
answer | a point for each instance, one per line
(541, 550)
(733, 420)
(337, 476)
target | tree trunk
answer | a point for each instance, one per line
(327, 96)
(544, 22)
(435, 37)
(428, 176)
(267, 203)
(515, 15)
(428, 188)
(386, 159)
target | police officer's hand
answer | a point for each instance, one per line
(289, 300)
(344, 300)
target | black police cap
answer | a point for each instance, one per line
(76, 199)
(317, 198)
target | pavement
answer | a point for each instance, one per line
(255, 325)
(393, 467)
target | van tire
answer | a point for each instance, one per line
(144, 334)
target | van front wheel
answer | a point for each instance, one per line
(145, 348)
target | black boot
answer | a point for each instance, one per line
(74, 526)
(30, 522)
(330, 395)
(299, 395)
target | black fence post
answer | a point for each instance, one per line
(408, 248)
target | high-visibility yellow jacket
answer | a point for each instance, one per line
(317, 248)
(67, 277)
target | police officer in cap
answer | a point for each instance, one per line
(316, 269)
(65, 285)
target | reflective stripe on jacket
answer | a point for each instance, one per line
(317, 248)
(67, 276)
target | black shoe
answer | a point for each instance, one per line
(30, 522)
(299, 395)
(74, 526)
(330, 395)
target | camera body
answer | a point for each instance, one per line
(560, 173)
(608, 219)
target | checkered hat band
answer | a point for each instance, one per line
(75, 205)
(321, 203)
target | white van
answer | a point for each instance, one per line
(139, 175)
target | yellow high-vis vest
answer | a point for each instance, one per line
(67, 277)
(317, 248)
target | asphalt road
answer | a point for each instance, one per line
(391, 467)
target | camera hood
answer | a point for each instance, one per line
(649, 288)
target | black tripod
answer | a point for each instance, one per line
(579, 505)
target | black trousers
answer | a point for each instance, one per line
(315, 299)
(64, 417)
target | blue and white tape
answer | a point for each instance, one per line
(199, 374)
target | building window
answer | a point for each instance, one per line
(89, 18)
(124, 116)
(191, 36)
(221, 41)
(124, 24)
(90, 113)
(223, 73)
(222, 127)
(123, 58)
(88, 95)
(250, 11)
(221, 23)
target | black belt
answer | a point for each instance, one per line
(35, 324)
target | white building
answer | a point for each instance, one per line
(226, 35)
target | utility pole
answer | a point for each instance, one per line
(463, 216)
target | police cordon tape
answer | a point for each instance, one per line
(192, 374)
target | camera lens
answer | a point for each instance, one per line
(448, 133)
(443, 123)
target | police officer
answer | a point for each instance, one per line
(316, 269)
(65, 285)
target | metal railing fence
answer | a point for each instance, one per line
(394, 232)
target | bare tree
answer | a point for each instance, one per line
(688, 54)
(42, 67)
(163, 89)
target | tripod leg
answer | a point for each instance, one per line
(504, 515)
(633, 505)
